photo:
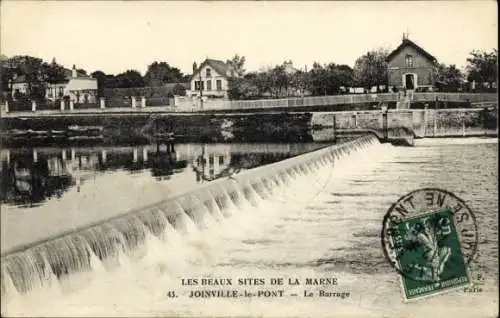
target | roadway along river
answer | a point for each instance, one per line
(326, 228)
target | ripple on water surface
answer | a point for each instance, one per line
(325, 228)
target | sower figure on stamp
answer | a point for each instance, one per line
(435, 255)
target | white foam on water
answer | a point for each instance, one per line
(456, 141)
(282, 236)
(199, 247)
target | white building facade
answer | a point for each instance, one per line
(79, 88)
(210, 79)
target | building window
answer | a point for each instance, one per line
(221, 160)
(219, 85)
(61, 91)
(409, 60)
(209, 85)
(197, 85)
(209, 73)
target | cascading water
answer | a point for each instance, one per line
(112, 244)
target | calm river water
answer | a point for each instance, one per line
(327, 225)
(49, 190)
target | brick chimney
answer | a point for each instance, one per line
(73, 72)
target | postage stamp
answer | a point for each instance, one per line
(430, 236)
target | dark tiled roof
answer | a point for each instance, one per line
(171, 86)
(219, 66)
(407, 42)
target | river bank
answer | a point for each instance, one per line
(142, 128)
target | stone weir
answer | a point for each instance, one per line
(103, 245)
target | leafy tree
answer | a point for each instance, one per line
(449, 77)
(250, 86)
(238, 62)
(110, 81)
(263, 83)
(280, 81)
(179, 89)
(35, 71)
(159, 73)
(7, 73)
(234, 88)
(300, 81)
(128, 79)
(483, 67)
(327, 80)
(100, 76)
(318, 79)
(371, 69)
(53, 73)
(32, 69)
(345, 75)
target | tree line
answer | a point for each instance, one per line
(37, 73)
(370, 70)
(322, 79)
(157, 74)
(282, 80)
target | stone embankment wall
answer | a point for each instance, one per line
(259, 127)
(141, 128)
(423, 122)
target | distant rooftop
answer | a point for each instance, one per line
(407, 42)
(223, 68)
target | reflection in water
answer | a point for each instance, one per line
(209, 166)
(29, 179)
(32, 176)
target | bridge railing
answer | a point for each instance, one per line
(305, 101)
(114, 105)
(337, 100)
(457, 97)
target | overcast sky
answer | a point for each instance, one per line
(113, 36)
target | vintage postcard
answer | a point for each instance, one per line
(249, 159)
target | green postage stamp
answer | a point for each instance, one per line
(429, 236)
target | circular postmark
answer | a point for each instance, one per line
(430, 235)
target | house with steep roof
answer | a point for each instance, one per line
(79, 87)
(210, 79)
(410, 67)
